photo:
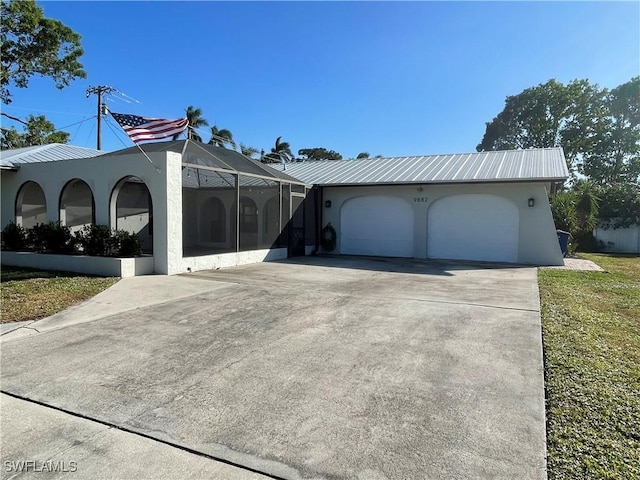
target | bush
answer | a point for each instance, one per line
(586, 242)
(37, 237)
(59, 239)
(51, 237)
(127, 244)
(96, 240)
(14, 237)
(564, 212)
(620, 205)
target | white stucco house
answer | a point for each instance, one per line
(488, 206)
(197, 206)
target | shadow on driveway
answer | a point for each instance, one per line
(313, 368)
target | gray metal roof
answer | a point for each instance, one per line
(10, 159)
(197, 153)
(540, 164)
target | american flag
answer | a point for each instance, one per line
(143, 128)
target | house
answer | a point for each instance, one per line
(488, 206)
(198, 206)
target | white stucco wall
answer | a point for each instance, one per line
(538, 241)
(102, 174)
(623, 240)
(213, 262)
(105, 266)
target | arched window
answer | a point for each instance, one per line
(248, 226)
(213, 217)
(271, 222)
(132, 210)
(31, 205)
(76, 205)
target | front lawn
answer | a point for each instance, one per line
(29, 294)
(591, 336)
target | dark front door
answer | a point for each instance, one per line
(296, 232)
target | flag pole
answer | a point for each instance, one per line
(139, 147)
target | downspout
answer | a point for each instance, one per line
(318, 194)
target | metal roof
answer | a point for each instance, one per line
(539, 164)
(197, 153)
(11, 159)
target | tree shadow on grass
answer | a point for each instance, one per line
(8, 274)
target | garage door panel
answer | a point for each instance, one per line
(473, 227)
(377, 225)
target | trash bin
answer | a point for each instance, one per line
(563, 238)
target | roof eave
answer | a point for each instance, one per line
(446, 182)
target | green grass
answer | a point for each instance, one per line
(591, 336)
(29, 294)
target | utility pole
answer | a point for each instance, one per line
(99, 90)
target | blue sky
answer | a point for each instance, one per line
(389, 78)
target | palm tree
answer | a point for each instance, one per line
(194, 115)
(280, 148)
(586, 204)
(248, 151)
(220, 138)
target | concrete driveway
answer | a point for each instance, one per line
(319, 367)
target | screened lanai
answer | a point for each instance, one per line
(231, 203)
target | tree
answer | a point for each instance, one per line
(280, 148)
(615, 156)
(318, 154)
(37, 131)
(221, 138)
(34, 45)
(194, 115)
(248, 151)
(549, 115)
(363, 155)
(576, 211)
(619, 205)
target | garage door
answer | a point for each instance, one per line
(376, 225)
(473, 227)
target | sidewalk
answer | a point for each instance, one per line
(580, 264)
(41, 442)
(128, 294)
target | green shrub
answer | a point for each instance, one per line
(51, 237)
(95, 240)
(37, 236)
(127, 244)
(586, 242)
(14, 237)
(59, 239)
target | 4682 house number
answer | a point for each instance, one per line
(419, 199)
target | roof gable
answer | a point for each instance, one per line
(44, 153)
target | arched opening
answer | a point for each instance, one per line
(213, 221)
(31, 205)
(271, 222)
(248, 225)
(132, 210)
(76, 205)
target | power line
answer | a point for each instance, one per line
(40, 110)
(99, 91)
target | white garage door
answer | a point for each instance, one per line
(473, 227)
(376, 225)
